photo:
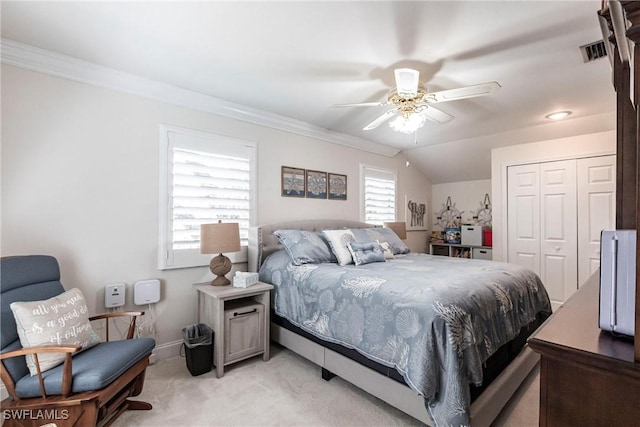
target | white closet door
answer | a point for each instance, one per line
(558, 229)
(523, 216)
(596, 209)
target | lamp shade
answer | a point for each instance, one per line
(220, 237)
(400, 228)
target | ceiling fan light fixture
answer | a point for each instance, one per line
(407, 123)
(558, 115)
(409, 102)
(406, 82)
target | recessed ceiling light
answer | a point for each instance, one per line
(558, 115)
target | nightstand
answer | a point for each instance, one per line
(239, 318)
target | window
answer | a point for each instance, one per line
(378, 194)
(203, 178)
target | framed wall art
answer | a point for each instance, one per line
(415, 213)
(316, 184)
(337, 186)
(293, 180)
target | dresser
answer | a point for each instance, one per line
(587, 377)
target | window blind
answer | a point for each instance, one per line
(204, 178)
(208, 187)
(379, 196)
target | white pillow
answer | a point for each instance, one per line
(386, 250)
(338, 241)
(63, 319)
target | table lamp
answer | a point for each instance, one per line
(400, 228)
(216, 239)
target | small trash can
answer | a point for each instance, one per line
(198, 348)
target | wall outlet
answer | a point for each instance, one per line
(114, 295)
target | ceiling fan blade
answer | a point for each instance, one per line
(383, 118)
(463, 92)
(436, 115)
(407, 81)
(362, 104)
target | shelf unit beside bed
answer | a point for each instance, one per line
(461, 251)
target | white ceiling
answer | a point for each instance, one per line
(295, 59)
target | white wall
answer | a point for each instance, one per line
(595, 144)
(415, 189)
(80, 182)
(467, 196)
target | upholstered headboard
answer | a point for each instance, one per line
(263, 243)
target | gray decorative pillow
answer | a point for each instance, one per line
(305, 247)
(338, 240)
(365, 253)
(381, 235)
(63, 319)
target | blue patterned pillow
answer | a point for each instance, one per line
(366, 253)
(381, 235)
(305, 247)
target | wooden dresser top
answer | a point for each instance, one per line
(572, 331)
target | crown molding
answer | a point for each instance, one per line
(48, 62)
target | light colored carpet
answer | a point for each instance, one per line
(285, 391)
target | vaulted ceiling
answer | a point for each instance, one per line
(296, 59)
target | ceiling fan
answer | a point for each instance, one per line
(410, 101)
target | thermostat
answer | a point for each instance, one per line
(114, 295)
(146, 292)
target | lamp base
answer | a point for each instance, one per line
(219, 266)
(220, 281)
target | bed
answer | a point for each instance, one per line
(423, 333)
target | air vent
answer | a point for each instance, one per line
(592, 51)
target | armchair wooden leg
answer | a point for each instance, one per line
(139, 383)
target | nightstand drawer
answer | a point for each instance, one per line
(244, 329)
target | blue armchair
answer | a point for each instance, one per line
(92, 387)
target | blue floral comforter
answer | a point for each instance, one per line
(434, 319)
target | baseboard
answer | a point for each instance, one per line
(165, 351)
